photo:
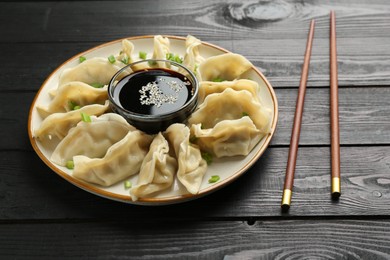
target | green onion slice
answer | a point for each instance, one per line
(70, 165)
(207, 157)
(142, 55)
(169, 56)
(82, 59)
(125, 60)
(72, 105)
(127, 184)
(178, 59)
(244, 114)
(111, 59)
(97, 85)
(86, 118)
(217, 80)
(152, 63)
(174, 57)
(214, 179)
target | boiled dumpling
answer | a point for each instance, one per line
(58, 124)
(192, 57)
(126, 56)
(157, 170)
(209, 87)
(91, 139)
(72, 94)
(92, 71)
(228, 66)
(161, 49)
(228, 105)
(191, 166)
(121, 161)
(228, 137)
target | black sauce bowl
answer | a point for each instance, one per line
(148, 123)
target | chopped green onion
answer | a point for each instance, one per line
(173, 57)
(125, 60)
(244, 114)
(169, 56)
(127, 184)
(214, 179)
(193, 139)
(82, 59)
(86, 118)
(207, 157)
(217, 80)
(152, 63)
(111, 59)
(142, 55)
(72, 105)
(70, 165)
(97, 85)
(178, 59)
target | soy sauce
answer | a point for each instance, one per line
(153, 91)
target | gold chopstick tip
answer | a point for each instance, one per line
(286, 199)
(336, 187)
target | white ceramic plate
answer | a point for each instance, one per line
(228, 169)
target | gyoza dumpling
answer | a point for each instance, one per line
(122, 160)
(228, 105)
(228, 137)
(91, 139)
(191, 166)
(75, 93)
(228, 66)
(192, 57)
(209, 87)
(92, 71)
(161, 49)
(157, 170)
(126, 55)
(58, 124)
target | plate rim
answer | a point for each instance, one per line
(151, 200)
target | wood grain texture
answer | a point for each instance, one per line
(29, 190)
(44, 217)
(298, 239)
(271, 34)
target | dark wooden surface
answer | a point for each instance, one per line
(44, 217)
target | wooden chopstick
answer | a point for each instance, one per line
(334, 112)
(292, 155)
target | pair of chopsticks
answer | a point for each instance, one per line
(334, 116)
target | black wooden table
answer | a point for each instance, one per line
(42, 216)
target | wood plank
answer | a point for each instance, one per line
(306, 239)
(30, 190)
(363, 117)
(29, 64)
(49, 21)
(363, 114)
(274, 44)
